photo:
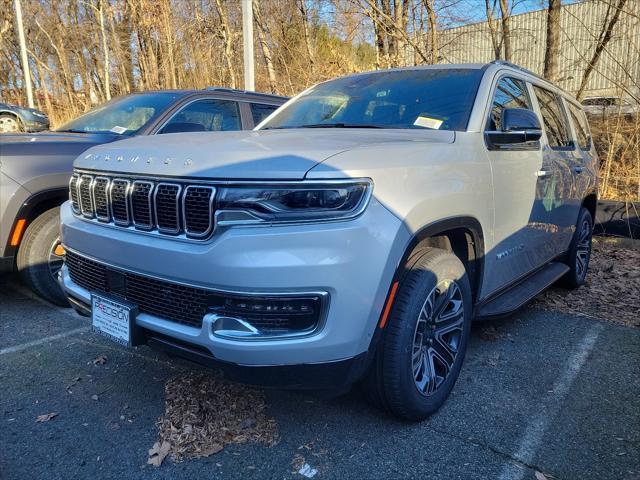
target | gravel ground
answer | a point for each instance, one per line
(612, 290)
(541, 392)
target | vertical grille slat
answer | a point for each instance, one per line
(141, 209)
(73, 193)
(100, 202)
(86, 202)
(182, 209)
(119, 194)
(167, 207)
(197, 208)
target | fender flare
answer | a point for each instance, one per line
(34, 206)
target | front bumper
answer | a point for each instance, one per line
(353, 262)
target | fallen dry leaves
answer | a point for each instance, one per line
(203, 413)
(100, 360)
(46, 417)
(158, 453)
(612, 290)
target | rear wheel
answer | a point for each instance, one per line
(579, 251)
(41, 255)
(9, 124)
(426, 338)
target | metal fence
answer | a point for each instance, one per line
(580, 25)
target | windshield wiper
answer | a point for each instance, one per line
(340, 125)
(71, 130)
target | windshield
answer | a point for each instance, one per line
(439, 99)
(123, 115)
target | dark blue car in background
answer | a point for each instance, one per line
(35, 168)
(14, 119)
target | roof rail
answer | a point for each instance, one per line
(518, 67)
(239, 91)
(526, 70)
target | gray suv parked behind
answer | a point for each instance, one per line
(354, 235)
(35, 169)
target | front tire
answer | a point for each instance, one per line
(41, 255)
(579, 251)
(425, 339)
(10, 124)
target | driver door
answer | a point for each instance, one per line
(522, 222)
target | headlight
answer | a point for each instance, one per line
(286, 203)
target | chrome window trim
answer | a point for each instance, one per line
(87, 213)
(127, 195)
(106, 196)
(140, 225)
(212, 196)
(155, 211)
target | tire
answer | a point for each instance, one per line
(579, 251)
(37, 260)
(10, 124)
(397, 380)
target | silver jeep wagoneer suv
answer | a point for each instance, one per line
(353, 235)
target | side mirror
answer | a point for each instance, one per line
(518, 126)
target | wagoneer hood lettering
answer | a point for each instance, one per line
(276, 154)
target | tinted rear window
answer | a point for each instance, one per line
(554, 119)
(581, 126)
(260, 111)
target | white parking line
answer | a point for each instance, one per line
(34, 343)
(536, 429)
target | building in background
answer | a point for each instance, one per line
(581, 25)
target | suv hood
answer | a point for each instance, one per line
(48, 155)
(263, 154)
(50, 143)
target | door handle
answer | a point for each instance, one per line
(578, 169)
(542, 173)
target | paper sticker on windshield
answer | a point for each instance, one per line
(118, 130)
(427, 122)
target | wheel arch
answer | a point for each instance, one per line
(32, 208)
(590, 202)
(463, 236)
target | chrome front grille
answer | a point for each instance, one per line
(167, 208)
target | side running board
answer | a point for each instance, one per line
(523, 292)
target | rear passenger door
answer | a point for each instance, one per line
(521, 227)
(585, 162)
(558, 151)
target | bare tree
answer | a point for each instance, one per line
(493, 30)
(226, 36)
(553, 40)
(506, 29)
(432, 20)
(603, 40)
(264, 45)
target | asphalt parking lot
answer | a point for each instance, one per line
(539, 392)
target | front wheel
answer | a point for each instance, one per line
(10, 124)
(426, 337)
(41, 255)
